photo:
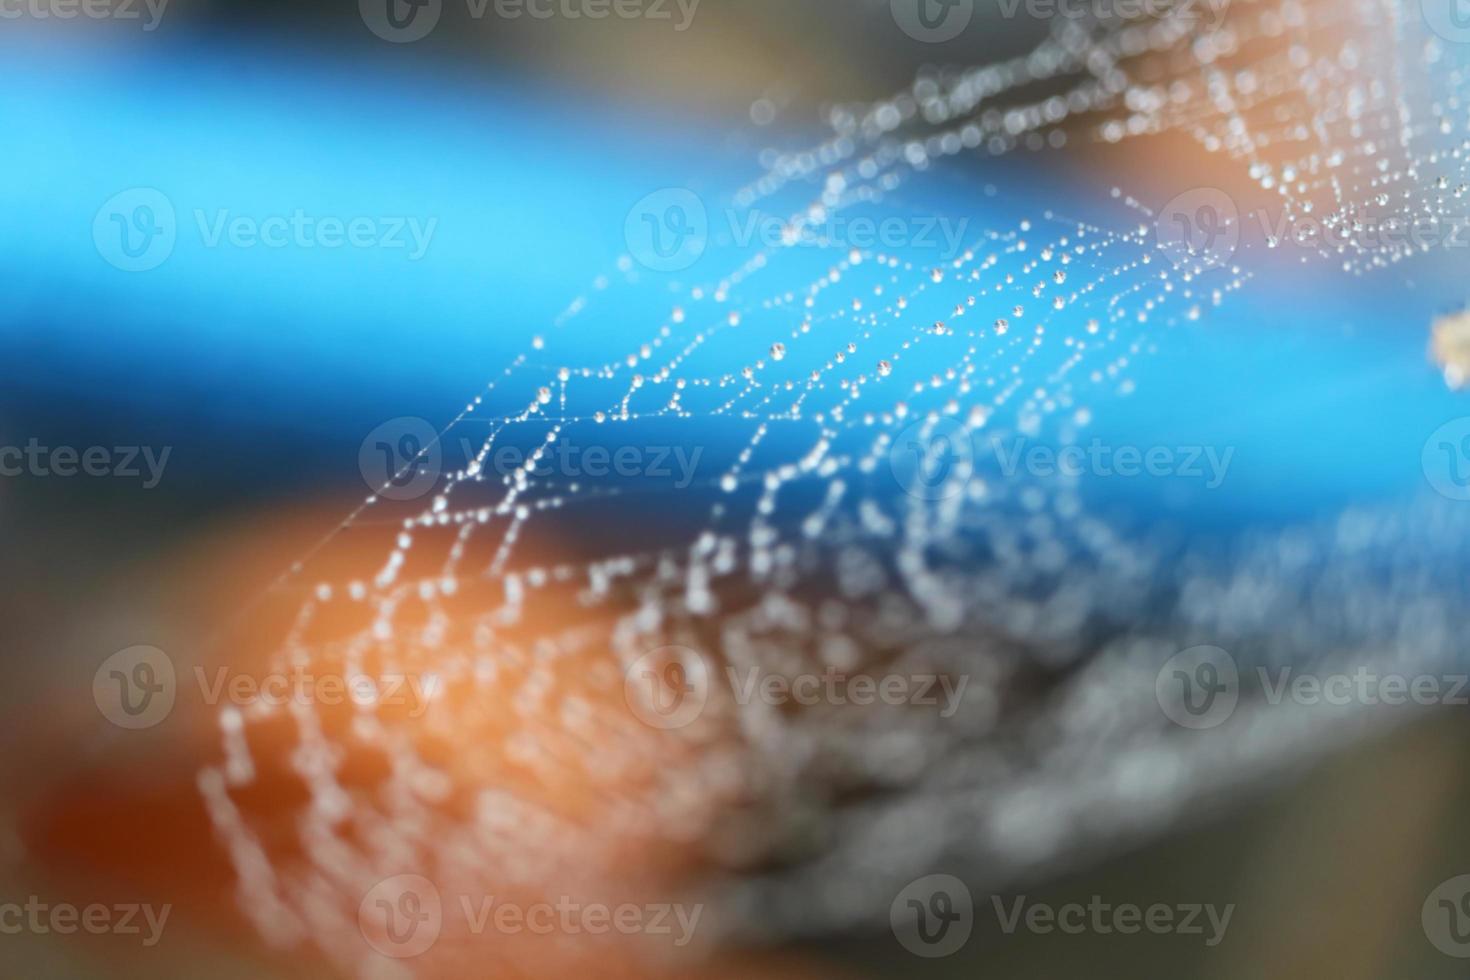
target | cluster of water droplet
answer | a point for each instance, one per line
(800, 544)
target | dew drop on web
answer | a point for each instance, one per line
(807, 534)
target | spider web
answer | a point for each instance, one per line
(815, 377)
